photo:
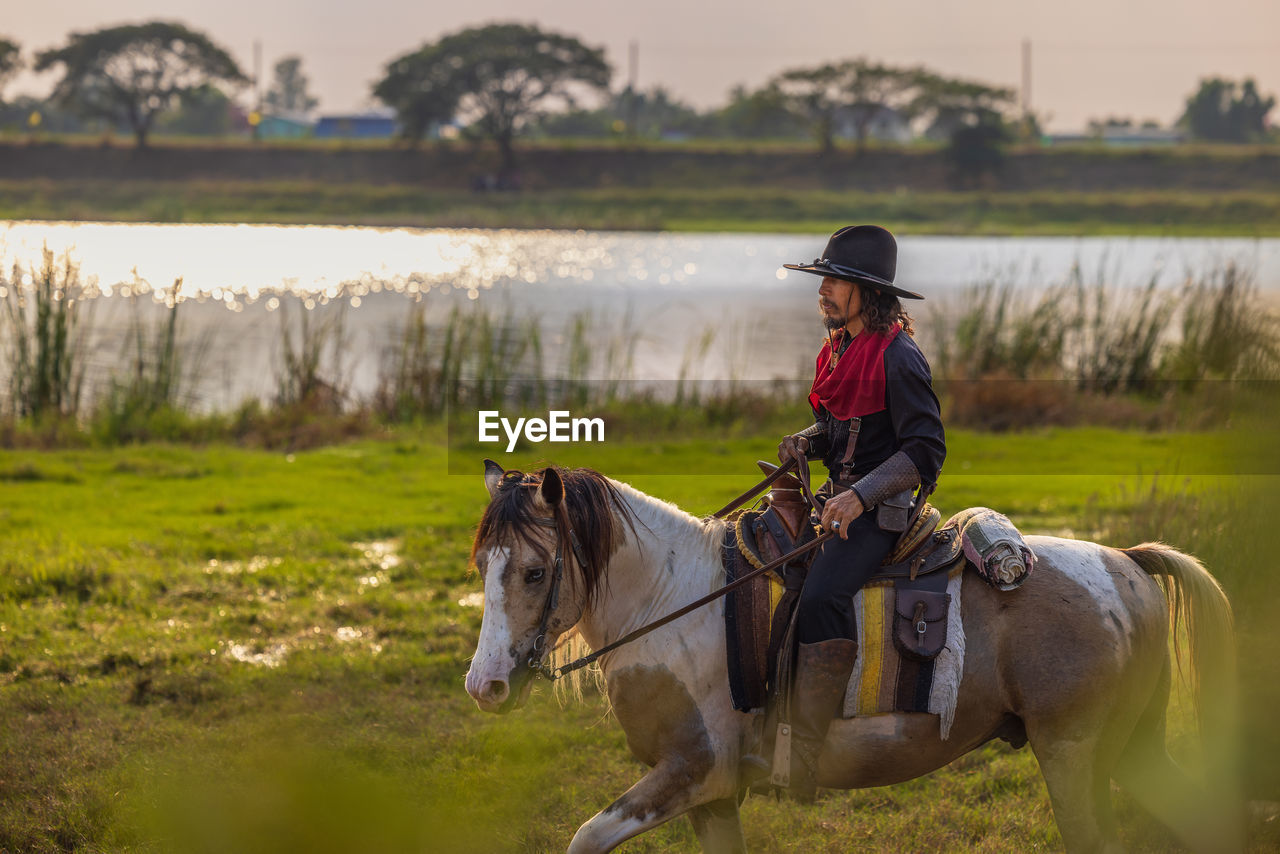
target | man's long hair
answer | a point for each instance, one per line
(880, 311)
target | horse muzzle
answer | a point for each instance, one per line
(500, 696)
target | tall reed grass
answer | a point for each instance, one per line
(43, 333)
(1083, 350)
(486, 357)
(1080, 351)
(1224, 334)
(154, 395)
(1111, 340)
(476, 356)
(311, 373)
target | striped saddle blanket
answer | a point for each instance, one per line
(884, 680)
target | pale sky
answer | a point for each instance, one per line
(1089, 58)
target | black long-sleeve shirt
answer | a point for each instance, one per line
(911, 420)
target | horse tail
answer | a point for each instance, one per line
(1197, 602)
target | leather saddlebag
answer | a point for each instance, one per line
(920, 623)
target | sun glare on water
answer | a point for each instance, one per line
(238, 264)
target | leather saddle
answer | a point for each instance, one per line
(918, 568)
(922, 549)
(786, 498)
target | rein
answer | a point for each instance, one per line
(552, 674)
(539, 652)
(755, 490)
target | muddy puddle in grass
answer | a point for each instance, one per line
(372, 565)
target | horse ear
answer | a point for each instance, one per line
(552, 489)
(492, 476)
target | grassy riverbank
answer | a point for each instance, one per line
(737, 209)
(697, 186)
(221, 649)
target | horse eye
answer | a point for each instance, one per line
(534, 575)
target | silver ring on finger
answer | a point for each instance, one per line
(835, 526)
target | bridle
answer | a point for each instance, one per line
(539, 651)
(535, 663)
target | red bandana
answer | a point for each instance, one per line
(856, 386)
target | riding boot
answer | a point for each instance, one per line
(822, 677)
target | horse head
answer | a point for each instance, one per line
(534, 522)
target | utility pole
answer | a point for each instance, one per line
(255, 117)
(633, 83)
(1027, 123)
(1026, 77)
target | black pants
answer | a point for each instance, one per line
(837, 573)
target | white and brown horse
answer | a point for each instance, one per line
(1076, 660)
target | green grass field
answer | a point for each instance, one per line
(223, 650)
(763, 209)
(623, 184)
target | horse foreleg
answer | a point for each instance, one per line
(718, 827)
(661, 795)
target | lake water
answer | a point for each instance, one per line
(662, 289)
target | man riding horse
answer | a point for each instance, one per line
(879, 433)
(1075, 662)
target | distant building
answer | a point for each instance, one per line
(365, 126)
(284, 127)
(1120, 137)
(1072, 138)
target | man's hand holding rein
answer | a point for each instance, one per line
(793, 447)
(840, 511)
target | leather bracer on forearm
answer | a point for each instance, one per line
(816, 435)
(891, 477)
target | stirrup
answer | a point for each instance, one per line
(753, 770)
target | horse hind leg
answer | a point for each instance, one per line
(1149, 775)
(1077, 753)
(1080, 793)
(1160, 786)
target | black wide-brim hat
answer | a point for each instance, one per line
(860, 253)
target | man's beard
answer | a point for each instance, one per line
(834, 322)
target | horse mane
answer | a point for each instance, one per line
(596, 509)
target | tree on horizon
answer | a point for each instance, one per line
(952, 104)
(815, 95)
(289, 92)
(131, 74)
(10, 62)
(859, 89)
(762, 113)
(874, 89)
(1221, 110)
(496, 79)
